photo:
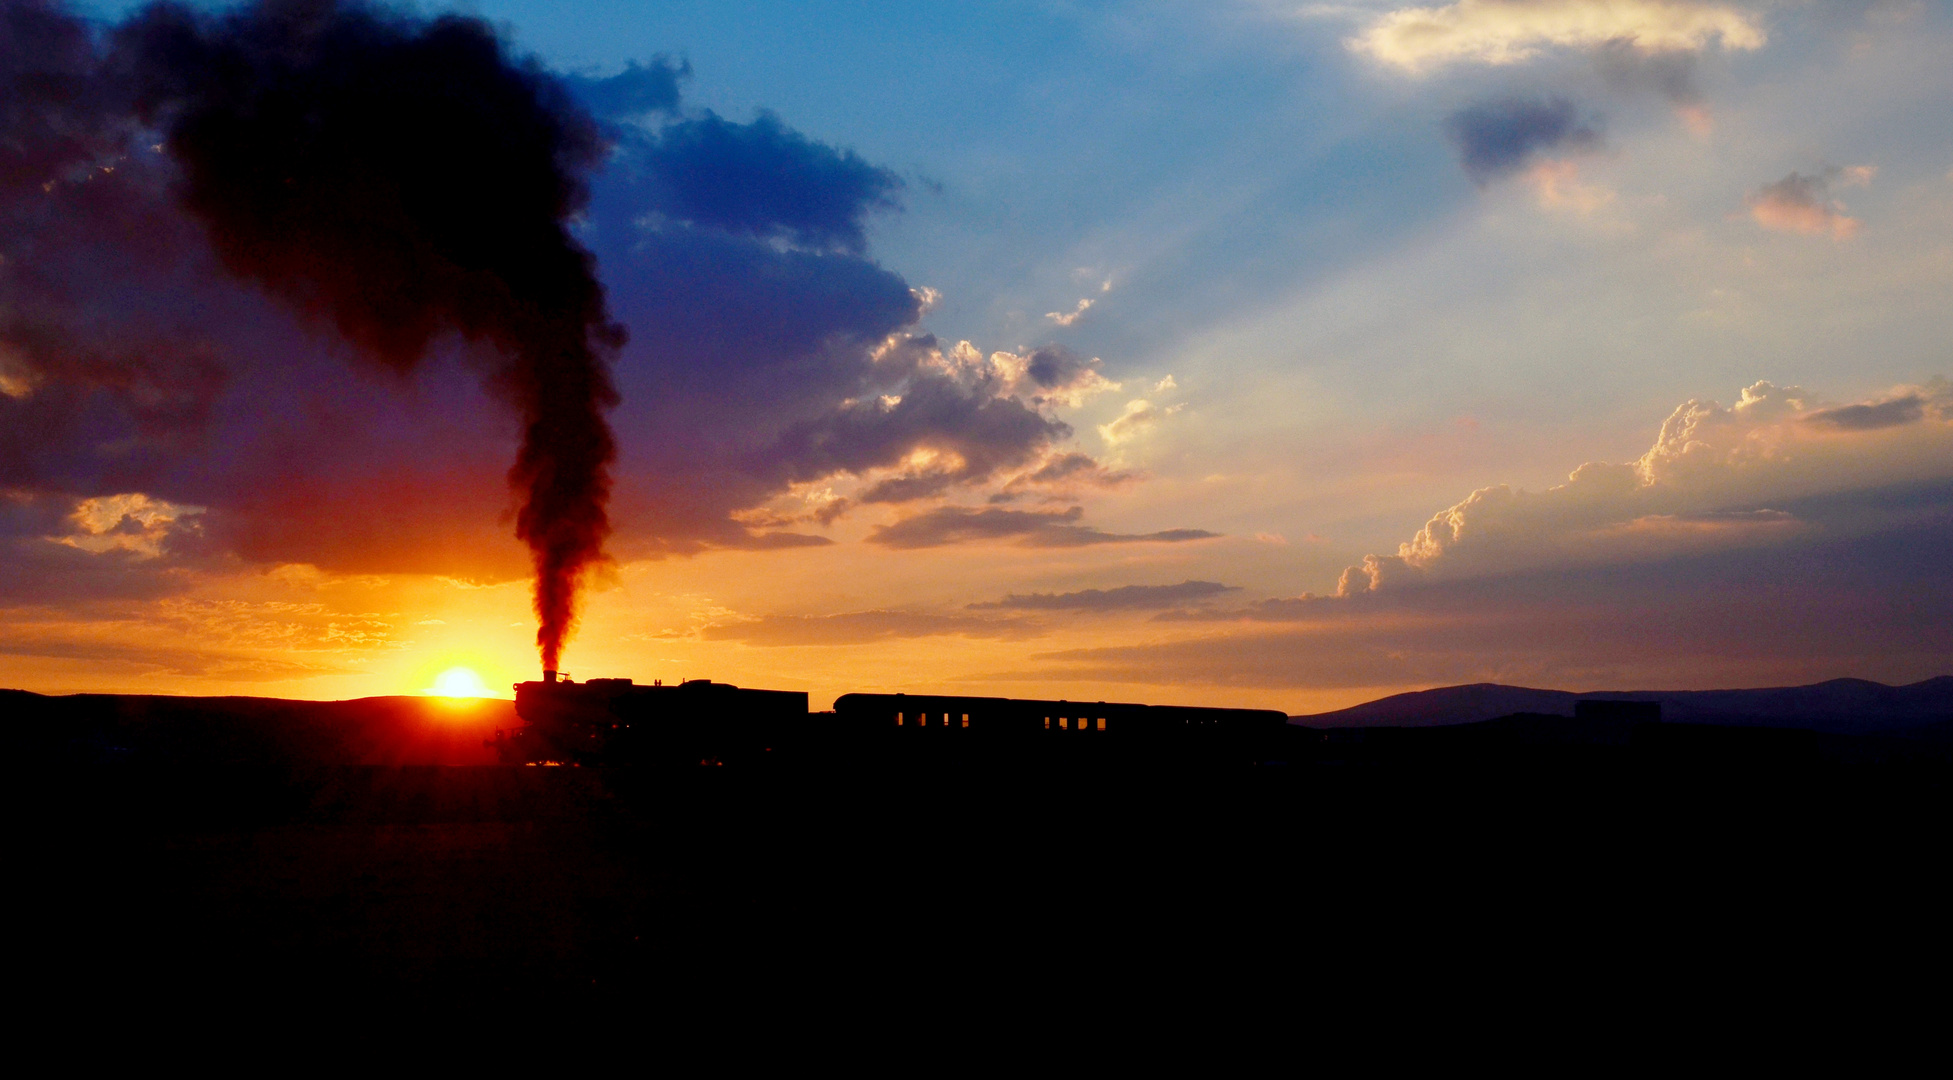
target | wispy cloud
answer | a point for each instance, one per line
(1029, 528)
(1067, 318)
(864, 627)
(1123, 598)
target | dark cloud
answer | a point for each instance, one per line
(1123, 598)
(437, 517)
(1908, 409)
(1031, 528)
(863, 627)
(36, 571)
(763, 180)
(1070, 469)
(1054, 374)
(640, 90)
(111, 350)
(978, 434)
(1498, 138)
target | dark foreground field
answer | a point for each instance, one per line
(272, 889)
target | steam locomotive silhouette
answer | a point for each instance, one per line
(700, 722)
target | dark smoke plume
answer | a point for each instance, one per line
(404, 179)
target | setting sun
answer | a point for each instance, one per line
(459, 682)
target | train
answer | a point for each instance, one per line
(699, 722)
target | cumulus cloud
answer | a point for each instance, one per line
(1715, 478)
(939, 433)
(1139, 416)
(1123, 598)
(1498, 32)
(1498, 138)
(1029, 528)
(1803, 204)
(865, 627)
(1049, 376)
(130, 521)
(921, 421)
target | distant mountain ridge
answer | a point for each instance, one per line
(1842, 706)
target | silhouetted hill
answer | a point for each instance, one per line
(1841, 706)
(85, 728)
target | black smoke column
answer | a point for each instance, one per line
(402, 179)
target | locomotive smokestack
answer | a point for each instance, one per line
(549, 675)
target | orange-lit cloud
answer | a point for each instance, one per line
(1419, 39)
(1557, 186)
(1139, 416)
(1067, 318)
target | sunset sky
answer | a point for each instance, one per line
(1245, 353)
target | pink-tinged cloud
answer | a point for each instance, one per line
(1558, 186)
(1802, 204)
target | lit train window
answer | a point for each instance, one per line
(1047, 723)
(1064, 722)
(898, 719)
(966, 719)
(1101, 723)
